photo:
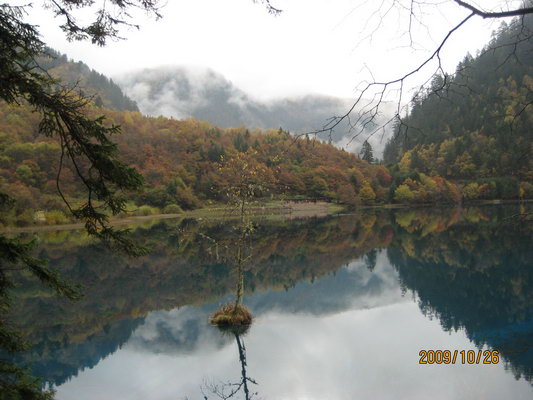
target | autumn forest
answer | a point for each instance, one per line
(438, 154)
(171, 234)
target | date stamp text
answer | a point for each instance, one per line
(459, 357)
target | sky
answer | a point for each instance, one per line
(314, 46)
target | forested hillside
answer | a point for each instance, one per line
(467, 137)
(475, 126)
(203, 94)
(181, 162)
(105, 92)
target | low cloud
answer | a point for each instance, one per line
(184, 92)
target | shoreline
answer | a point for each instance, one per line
(288, 210)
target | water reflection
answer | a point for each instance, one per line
(333, 300)
(228, 390)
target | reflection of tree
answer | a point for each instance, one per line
(185, 271)
(228, 390)
(370, 259)
(473, 277)
(442, 254)
(241, 259)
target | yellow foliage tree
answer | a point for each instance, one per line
(366, 193)
(405, 162)
(403, 194)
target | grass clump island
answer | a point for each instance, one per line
(232, 315)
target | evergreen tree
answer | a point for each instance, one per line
(240, 142)
(84, 142)
(367, 153)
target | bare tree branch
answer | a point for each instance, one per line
(502, 14)
(369, 111)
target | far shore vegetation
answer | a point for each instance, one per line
(272, 209)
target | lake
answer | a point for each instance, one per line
(343, 307)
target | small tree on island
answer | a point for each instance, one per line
(244, 179)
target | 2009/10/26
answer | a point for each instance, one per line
(466, 357)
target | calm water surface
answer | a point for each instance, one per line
(342, 308)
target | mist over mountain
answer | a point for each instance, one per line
(201, 93)
(183, 92)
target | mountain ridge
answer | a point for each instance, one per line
(204, 94)
(182, 92)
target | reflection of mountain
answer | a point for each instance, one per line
(484, 284)
(186, 330)
(57, 362)
(467, 267)
(180, 271)
(353, 287)
(180, 92)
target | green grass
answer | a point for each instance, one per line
(335, 208)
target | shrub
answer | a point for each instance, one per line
(471, 191)
(186, 199)
(146, 210)
(172, 209)
(24, 218)
(403, 194)
(502, 188)
(526, 190)
(155, 197)
(55, 217)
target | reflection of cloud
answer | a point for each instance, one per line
(368, 349)
(352, 287)
(366, 354)
(186, 330)
(183, 330)
(352, 354)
